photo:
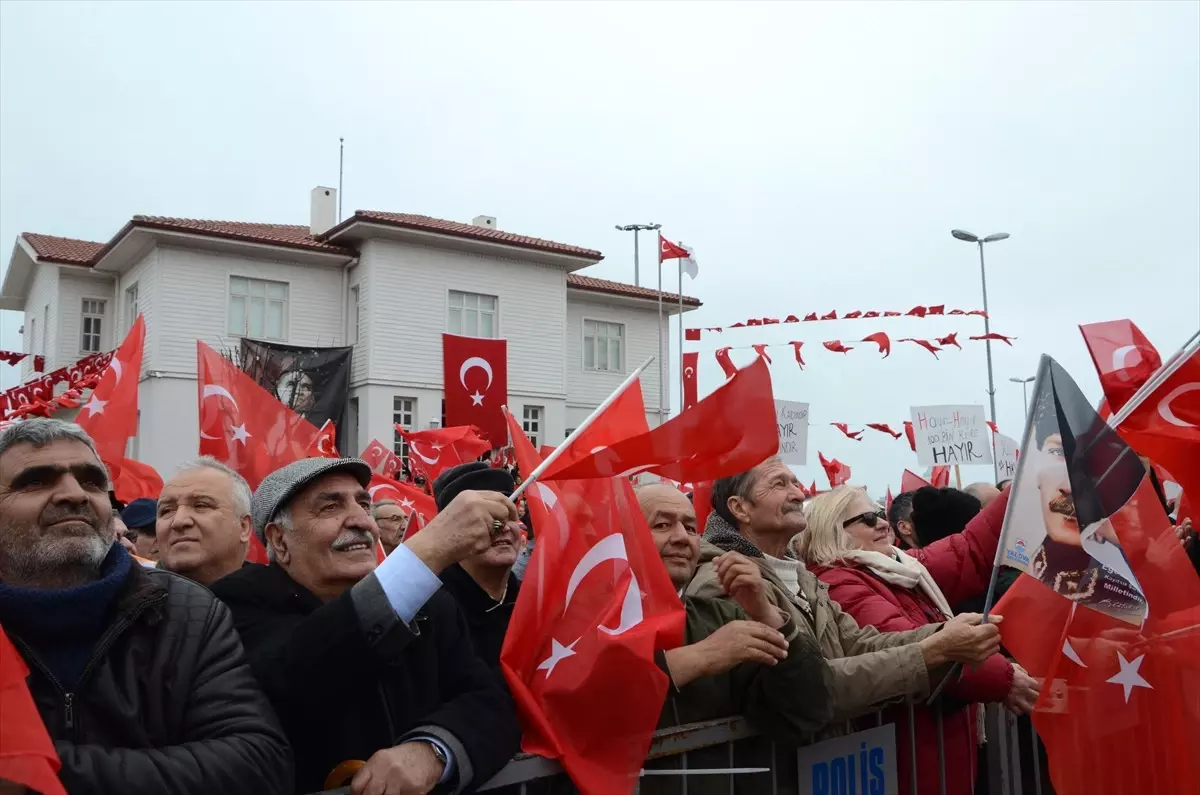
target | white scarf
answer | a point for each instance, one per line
(901, 570)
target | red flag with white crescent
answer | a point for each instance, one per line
(475, 380)
(325, 443)
(434, 451)
(668, 250)
(691, 363)
(382, 460)
(110, 417)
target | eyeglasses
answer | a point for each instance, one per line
(870, 519)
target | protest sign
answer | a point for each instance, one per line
(1005, 448)
(863, 762)
(951, 435)
(792, 418)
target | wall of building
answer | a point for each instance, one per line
(43, 290)
(147, 276)
(168, 426)
(586, 389)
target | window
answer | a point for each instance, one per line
(404, 414)
(355, 316)
(531, 423)
(472, 314)
(131, 304)
(93, 322)
(603, 346)
(257, 308)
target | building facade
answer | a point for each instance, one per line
(387, 284)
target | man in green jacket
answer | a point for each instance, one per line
(743, 656)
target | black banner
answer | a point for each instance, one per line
(313, 382)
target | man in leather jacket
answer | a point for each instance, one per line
(137, 673)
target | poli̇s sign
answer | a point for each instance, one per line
(863, 763)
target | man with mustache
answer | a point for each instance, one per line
(137, 673)
(370, 661)
(483, 584)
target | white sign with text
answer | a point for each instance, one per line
(863, 762)
(792, 418)
(1006, 457)
(948, 435)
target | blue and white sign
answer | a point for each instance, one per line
(863, 763)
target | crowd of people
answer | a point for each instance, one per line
(161, 661)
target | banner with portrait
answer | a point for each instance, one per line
(313, 382)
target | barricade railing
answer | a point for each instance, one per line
(1010, 749)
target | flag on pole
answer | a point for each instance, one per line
(668, 250)
(688, 264)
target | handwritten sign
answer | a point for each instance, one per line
(951, 435)
(863, 762)
(792, 419)
(1006, 457)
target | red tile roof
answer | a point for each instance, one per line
(595, 285)
(63, 249)
(85, 252)
(425, 223)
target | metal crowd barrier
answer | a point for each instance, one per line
(1011, 757)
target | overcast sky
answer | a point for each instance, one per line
(815, 156)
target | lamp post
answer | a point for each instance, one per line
(635, 228)
(1024, 382)
(959, 234)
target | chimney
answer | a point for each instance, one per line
(324, 210)
(485, 221)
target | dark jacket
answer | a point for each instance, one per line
(166, 702)
(349, 678)
(786, 703)
(486, 618)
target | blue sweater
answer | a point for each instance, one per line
(63, 625)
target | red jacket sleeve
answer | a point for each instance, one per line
(987, 683)
(961, 564)
(868, 606)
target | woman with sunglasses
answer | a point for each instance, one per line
(850, 546)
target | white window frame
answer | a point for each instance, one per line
(355, 301)
(533, 420)
(406, 418)
(84, 315)
(131, 305)
(31, 343)
(285, 320)
(584, 346)
(478, 311)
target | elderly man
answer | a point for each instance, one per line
(757, 513)
(365, 661)
(392, 522)
(986, 493)
(483, 584)
(203, 526)
(137, 673)
(141, 516)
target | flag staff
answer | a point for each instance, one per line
(679, 263)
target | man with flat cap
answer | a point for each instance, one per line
(368, 661)
(483, 584)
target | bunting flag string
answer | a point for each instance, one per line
(880, 338)
(36, 396)
(15, 357)
(937, 310)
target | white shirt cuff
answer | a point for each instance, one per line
(406, 581)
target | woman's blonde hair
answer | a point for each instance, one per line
(825, 542)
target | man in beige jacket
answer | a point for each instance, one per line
(756, 514)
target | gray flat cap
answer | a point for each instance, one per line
(278, 488)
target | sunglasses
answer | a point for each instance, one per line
(870, 519)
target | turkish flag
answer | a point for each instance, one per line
(761, 350)
(595, 605)
(910, 481)
(845, 429)
(727, 365)
(434, 451)
(382, 460)
(883, 427)
(324, 444)
(836, 346)
(1124, 358)
(912, 438)
(132, 480)
(111, 416)
(880, 339)
(27, 756)
(241, 424)
(691, 361)
(837, 472)
(1165, 427)
(476, 384)
(939, 477)
(796, 345)
(624, 418)
(419, 506)
(668, 250)
(729, 431)
(691, 334)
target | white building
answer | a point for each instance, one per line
(389, 284)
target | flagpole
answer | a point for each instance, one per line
(662, 374)
(679, 263)
(583, 426)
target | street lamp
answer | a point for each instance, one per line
(959, 234)
(1024, 382)
(635, 228)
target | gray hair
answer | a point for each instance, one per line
(740, 485)
(40, 432)
(283, 518)
(375, 508)
(240, 488)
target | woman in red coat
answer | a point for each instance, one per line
(850, 547)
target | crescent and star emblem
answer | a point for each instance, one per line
(467, 365)
(1120, 355)
(611, 547)
(1164, 405)
(413, 446)
(215, 390)
(95, 405)
(689, 371)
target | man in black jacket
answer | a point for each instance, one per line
(138, 674)
(368, 662)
